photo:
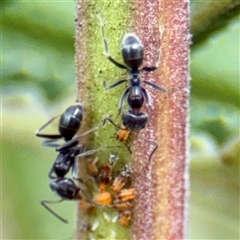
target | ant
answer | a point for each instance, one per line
(72, 148)
(65, 187)
(132, 54)
(69, 124)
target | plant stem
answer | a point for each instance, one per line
(162, 184)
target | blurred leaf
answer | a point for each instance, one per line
(231, 151)
(215, 68)
(38, 46)
(221, 121)
(214, 202)
(214, 205)
(208, 17)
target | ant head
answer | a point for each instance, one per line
(132, 51)
(70, 121)
(134, 121)
(65, 188)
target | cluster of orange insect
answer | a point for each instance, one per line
(114, 190)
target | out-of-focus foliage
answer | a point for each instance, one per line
(38, 76)
(38, 46)
(38, 82)
(208, 17)
(215, 140)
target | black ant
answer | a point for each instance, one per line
(132, 54)
(69, 124)
(65, 187)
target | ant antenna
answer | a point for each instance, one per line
(53, 136)
(44, 204)
(93, 151)
(154, 149)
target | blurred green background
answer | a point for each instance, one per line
(38, 81)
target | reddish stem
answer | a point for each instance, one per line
(161, 205)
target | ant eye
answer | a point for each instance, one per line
(71, 192)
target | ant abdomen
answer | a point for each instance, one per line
(134, 121)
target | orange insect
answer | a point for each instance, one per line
(86, 206)
(122, 206)
(126, 194)
(125, 217)
(114, 191)
(123, 134)
(120, 181)
(103, 198)
(103, 176)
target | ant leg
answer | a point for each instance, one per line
(125, 93)
(42, 135)
(93, 151)
(86, 195)
(155, 86)
(106, 47)
(74, 170)
(44, 204)
(146, 95)
(113, 123)
(128, 148)
(50, 143)
(151, 69)
(78, 179)
(72, 143)
(50, 175)
(114, 84)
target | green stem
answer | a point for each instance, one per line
(161, 185)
